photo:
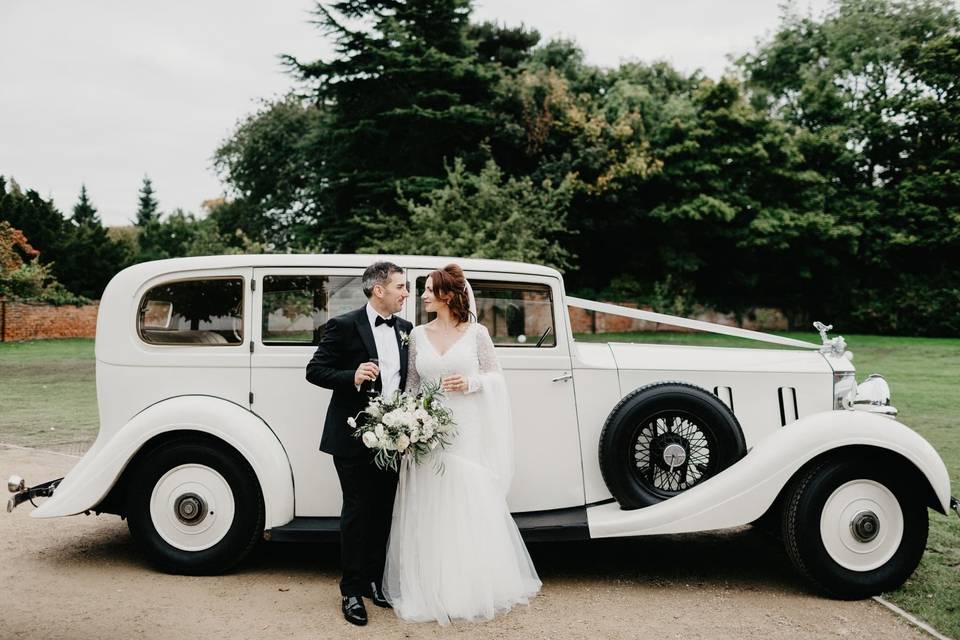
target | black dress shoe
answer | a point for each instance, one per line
(377, 597)
(353, 610)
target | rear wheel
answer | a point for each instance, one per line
(194, 506)
(855, 528)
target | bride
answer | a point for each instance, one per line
(454, 550)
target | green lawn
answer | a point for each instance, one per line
(48, 394)
(48, 398)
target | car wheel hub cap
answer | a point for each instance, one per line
(670, 453)
(865, 526)
(192, 507)
(674, 455)
(861, 525)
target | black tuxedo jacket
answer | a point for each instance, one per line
(347, 343)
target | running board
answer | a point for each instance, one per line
(535, 526)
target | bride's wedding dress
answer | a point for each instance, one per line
(454, 549)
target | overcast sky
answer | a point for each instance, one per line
(104, 92)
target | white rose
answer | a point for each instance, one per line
(427, 432)
(402, 443)
(414, 435)
(369, 439)
(380, 433)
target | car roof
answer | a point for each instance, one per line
(277, 260)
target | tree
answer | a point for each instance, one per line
(184, 234)
(484, 215)
(91, 258)
(272, 165)
(22, 275)
(148, 207)
(37, 218)
(84, 213)
(405, 93)
(872, 85)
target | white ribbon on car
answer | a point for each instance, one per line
(676, 321)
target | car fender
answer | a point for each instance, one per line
(95, 474)
(743, 492)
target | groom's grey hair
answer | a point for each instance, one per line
(378, 273)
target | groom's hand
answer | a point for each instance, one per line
(366, 371)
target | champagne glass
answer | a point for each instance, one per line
(371, 390)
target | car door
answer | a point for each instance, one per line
(291, 307)
(519, 310)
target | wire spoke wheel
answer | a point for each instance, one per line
(665, 438)
(671, 452)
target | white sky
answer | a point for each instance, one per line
(103, 92)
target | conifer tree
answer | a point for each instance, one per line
(403, 96)
(84, 213)
(147, 211)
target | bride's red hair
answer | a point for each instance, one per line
(450, 286)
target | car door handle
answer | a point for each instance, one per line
(563, 378)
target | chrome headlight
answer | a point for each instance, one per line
(844, 389)
(874, 391)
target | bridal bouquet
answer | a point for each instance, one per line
(405, 425)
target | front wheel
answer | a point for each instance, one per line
(194, 506)
(855, 528)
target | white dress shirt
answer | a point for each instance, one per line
(388, 353)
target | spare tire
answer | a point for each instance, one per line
(665, 438)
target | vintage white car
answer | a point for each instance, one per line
(209, 431)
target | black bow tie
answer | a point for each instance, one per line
(392, 320)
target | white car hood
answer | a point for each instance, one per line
(670, 357)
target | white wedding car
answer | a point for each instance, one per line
(209, 430)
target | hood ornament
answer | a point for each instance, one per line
(834, 346)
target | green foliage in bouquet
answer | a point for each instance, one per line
(406, 425)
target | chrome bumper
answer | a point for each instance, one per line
(22, 493)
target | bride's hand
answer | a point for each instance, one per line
(454, 383)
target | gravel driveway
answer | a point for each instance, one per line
(81, 577)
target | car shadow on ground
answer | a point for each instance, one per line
(745, 558)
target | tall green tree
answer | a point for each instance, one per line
(148, 209)
(92, 258)
(405, 92)
(872, 84)
(84, 213)
(272, 165)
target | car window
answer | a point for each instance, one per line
(296, 307)
(517, 314)
(202, 312)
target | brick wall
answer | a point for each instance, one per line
(31, 321)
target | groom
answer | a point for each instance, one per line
(361, 353)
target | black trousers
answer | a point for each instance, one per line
(368, 494)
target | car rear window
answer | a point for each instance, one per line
(204, 312)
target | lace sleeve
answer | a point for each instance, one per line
(487, 357)
(413, 378)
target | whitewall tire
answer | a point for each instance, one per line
(855, 528)
(194, 506)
